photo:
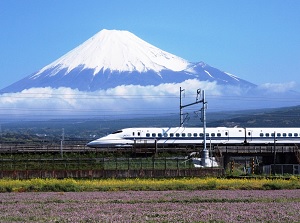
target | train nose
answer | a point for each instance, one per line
(102, 142)
(93, 144)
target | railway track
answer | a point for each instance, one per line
(233, 149)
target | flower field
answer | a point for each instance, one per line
(152, 206)
(150, 200)
(72, 185)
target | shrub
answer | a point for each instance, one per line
(272, 186)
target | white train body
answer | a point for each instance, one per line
(186, 136)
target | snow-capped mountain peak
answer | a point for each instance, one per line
(117, 50)
(113, 58)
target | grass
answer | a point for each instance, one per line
(65, 185)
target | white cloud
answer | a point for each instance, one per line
(278, 87)
(120, 100)
(124, 100)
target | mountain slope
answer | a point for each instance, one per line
(116, 51)
(112, 58)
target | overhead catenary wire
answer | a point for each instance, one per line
(87, 96)
(101, 110)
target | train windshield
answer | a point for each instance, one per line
(119, 131)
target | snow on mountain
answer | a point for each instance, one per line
(100, 76)
(205, 72)
(117, 51)
(113, 58)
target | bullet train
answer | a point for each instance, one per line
(187, 136)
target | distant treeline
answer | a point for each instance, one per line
(86, 129)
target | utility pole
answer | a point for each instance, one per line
(274, 162)
(180, 106)
(61, 142)
(205, 153)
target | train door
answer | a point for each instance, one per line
(136, 139)
(222, 136)
(138, 136)
(140, 141)
(226, 134)
(248, 137)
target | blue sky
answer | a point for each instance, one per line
(256, 40)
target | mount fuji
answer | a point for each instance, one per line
(114, 58)
(115, 73)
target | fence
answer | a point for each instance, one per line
(80, 163)
(281, 169)
(103, 168)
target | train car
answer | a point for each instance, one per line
(284, 136)
(169, 137)
(186, 136)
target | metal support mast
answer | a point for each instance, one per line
(62, 142)
(205, 153)
(181, 114)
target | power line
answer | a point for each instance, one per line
(48, 96)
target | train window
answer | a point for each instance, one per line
(290, 134)
(171, 134)
(261, 135)
(177, 134)
(201, 134)
(195, 134)
(207, 134)
(119, 131)
(296, 134)
(278, 134)
(213, 134)
(133, 133)
(249, 133)
(189, 134)
(183, 134)
(165, 134)
(148, 135)
(219, 134)
(267, 134)
(284, 134)
(139, 134)
(159, 134)
(273, 134)
(226, 133)
(153, 134)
